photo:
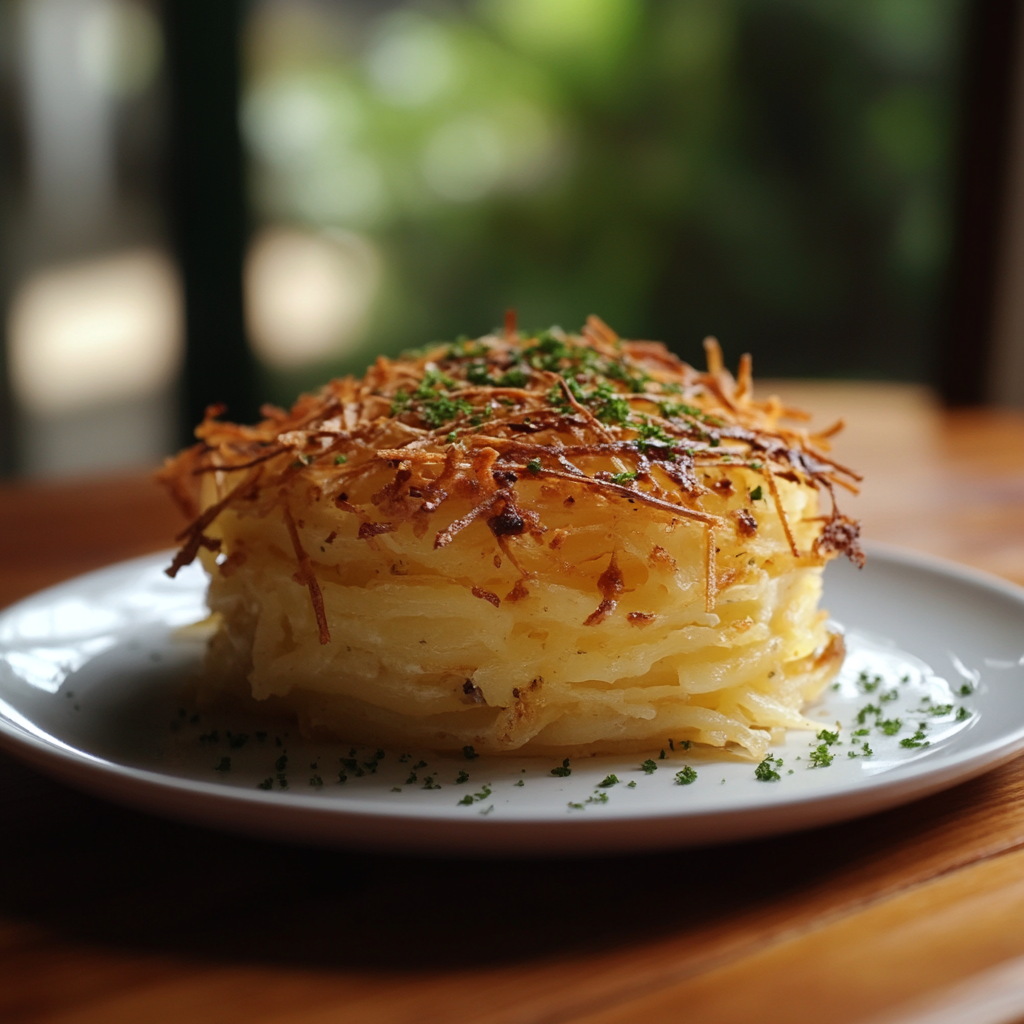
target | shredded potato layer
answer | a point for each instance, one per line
(425, 559)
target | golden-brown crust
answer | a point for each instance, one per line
(591, 414)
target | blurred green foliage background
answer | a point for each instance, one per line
(775, 172)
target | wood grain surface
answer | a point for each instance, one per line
(108, 915)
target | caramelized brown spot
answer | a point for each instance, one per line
(329, 539)
(473, 692)
(367, 530)
(611, 585)
(486, 595)
(746, 524)
(518, 592)
(506, 523)
(641, 618)
(659, 556)
(842, 535)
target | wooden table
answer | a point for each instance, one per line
(110, 916)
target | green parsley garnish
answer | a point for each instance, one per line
(756, 494)
(609, 408)
(917, 740)
(868, 709)
(765, 772)
(519, 783)
(962, 713)
(442, 409)
(869, 683)
(890, 726)
(463, 777)
(609, 780)
(686, 776)
(534, 466)
(649, 767)
(340, 460)
(469, 753)
(935, 709)
(514, 379)
(828, 738)
(563, 769)
(265, 784)
(821, 757)
(631, 785)
(622, 478)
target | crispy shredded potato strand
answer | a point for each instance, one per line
(547, 543)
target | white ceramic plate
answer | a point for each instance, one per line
(92, 674)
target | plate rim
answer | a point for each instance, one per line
(336, 822)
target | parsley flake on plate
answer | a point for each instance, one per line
(821, 757)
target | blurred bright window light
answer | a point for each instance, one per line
(289, 118)
(411, 63)
(343, 186)
(96, 332)
(512, 148)
(591, 30)
(308, 295)
(463, 160)
(120, 47)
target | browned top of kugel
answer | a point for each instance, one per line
(472, 418)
